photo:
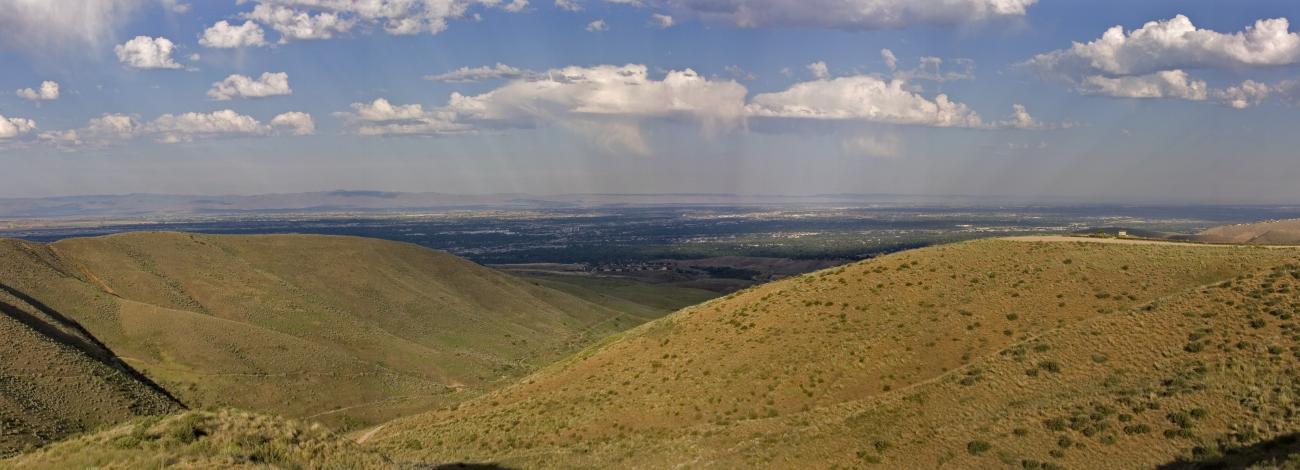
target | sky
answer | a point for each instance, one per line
(1153, 101)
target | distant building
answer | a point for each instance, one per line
(1123, 233)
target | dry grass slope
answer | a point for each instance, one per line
(1278, 232)
(56, 381)
(205, 439)
(349, 331)
(949, 355)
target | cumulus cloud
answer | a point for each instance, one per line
(476, 74)
(240, 86)
(38, 25)
(295, 123)
(145, 52)
(14, 127)
(1149, 62)
(49, 90)
(1163, 84)
(300, 25)
(1020, 119)
(597, 26)
(661, 20)
(294, 19)
(929, 68)
(102, 130)
(865, 98)
(223, 35)
(569, 5)
(1174, 44)
(609, 102)
(842, 14)
(381, 117)
(819, 70)
(178, 128)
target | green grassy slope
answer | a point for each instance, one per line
(790, 373)
(642, 299)
(345, 330)
(56, 381)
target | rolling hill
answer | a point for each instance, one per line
(1276, 232)
(206, 439)
(989, 353)
(57, 380)
(343, 330)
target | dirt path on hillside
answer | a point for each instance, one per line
(369, 434)
(1133, 241)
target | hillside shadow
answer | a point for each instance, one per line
(82, 340)
(1266, 452)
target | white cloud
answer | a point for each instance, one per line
(609, 102)
(890, 59)
(1164, 84)
(569, 5)
(14, 127)
(819, 70)
(475, 74)
(1174, 44)
(865, 98)
(145, 52)
(1020, 119)
(1248, 94)
(842, 14)
(240, 86)
(38, 25)
(185, 127)
(381, 117)
(662, 21)
(877, 146)
(296, 123)
(929, 68)
(175, 6)
(399, 17)
(99, 131)
(596, 26)
(300, 25)
(49, 90)
(223, 35)
(177, 128)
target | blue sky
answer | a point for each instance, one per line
(1194, 109)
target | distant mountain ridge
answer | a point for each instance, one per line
(141, 205)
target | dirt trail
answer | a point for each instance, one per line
(1132, 241)
(369, 434)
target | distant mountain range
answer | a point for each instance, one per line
(140, 205)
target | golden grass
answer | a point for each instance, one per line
(903, 360)
(206, 439)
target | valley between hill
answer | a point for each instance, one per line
(343, 330)
(1038, 353)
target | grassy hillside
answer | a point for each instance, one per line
(345, 330)
(56, 379)
(1277, 232)
(642, 299)
(205, 439)
(955, 354)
